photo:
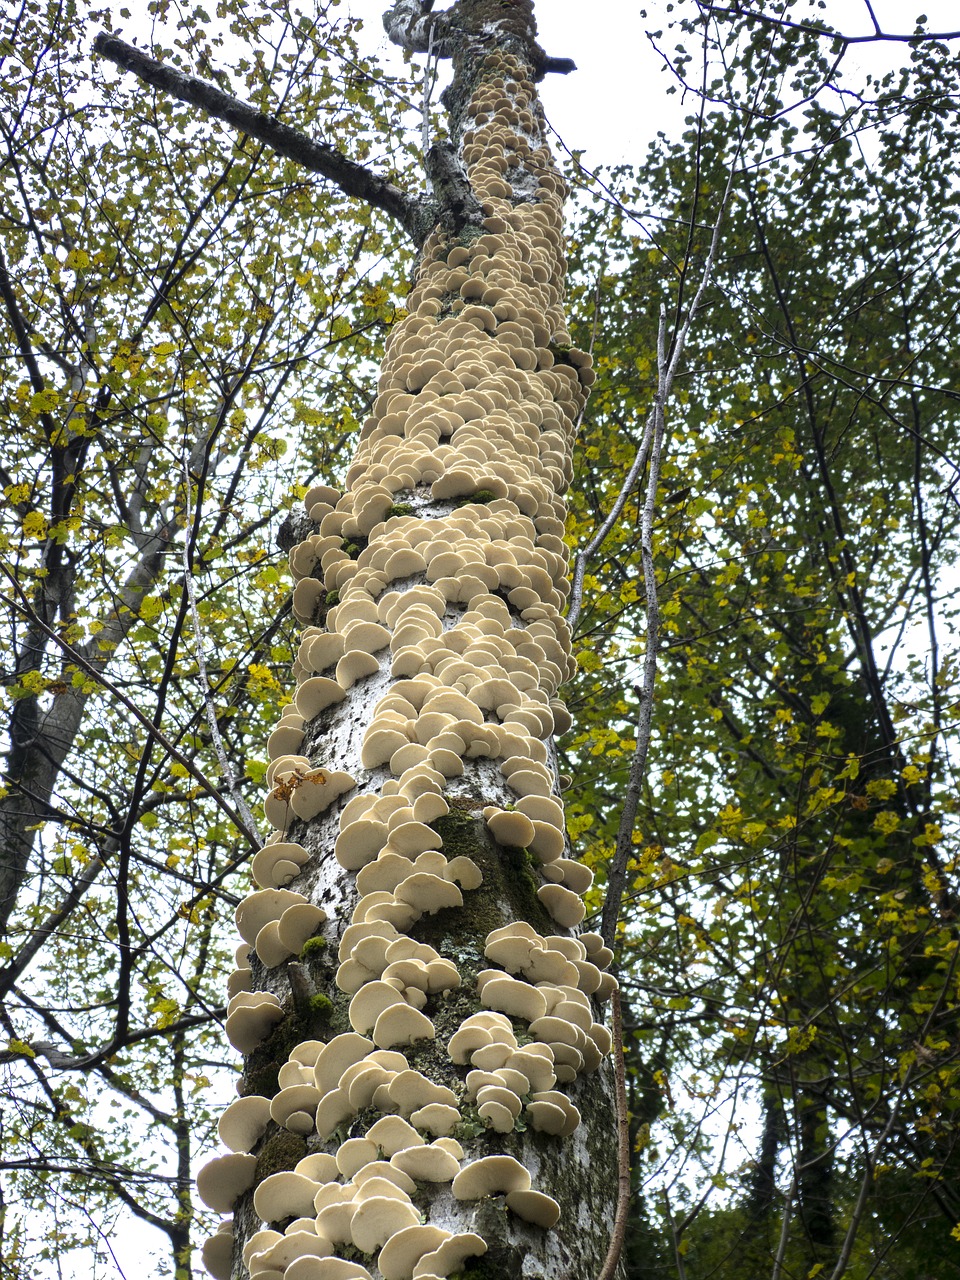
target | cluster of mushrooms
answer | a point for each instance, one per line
(459, 598)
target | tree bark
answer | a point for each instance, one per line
(423, 803)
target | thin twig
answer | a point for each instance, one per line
(429, 80)
(677, 1255)
(227, 771)
(784, 1232)
(586, 554)
(622, 1215)
(26, 610)
(653, 444)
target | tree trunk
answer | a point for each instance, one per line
(414, 782)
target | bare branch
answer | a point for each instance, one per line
(824, 33)
(416, 217)
(227, 771)
(618, 1236)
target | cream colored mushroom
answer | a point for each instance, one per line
(244, 1122)
(449, 1257)
(276, 864)
(491, 1175)
(403, 1251)
(284, 1195)
(535, 1207)
(250, 1017)
(224, 1178)
(401, 1024)
(217, 1251)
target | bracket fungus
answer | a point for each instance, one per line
(448, 611)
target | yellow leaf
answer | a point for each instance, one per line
(44, 401)
(34, 525)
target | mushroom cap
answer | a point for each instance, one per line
(401, 1024)
(259, 908)
(377, 1219)
(319, 1167)
(547, 1117)
(315, 695)
(325, 1269)
(437, 1118)
(429, 893)
(450, 1256)
(217, 1252)
(369, 1003)
(392, 1134)
(502, 1094)
(489, 1176)
(355, 665)
(384, 873)
(464, 1041)
(542, 809)
(243, 1122)
(496, 1116)
(298, 923)
(318, 790)
(536, 1067)
(411, 1089)
(426, 1163)
(359, 842)
(513, 996)
(268, 945)
(511, 828)
(464, 872)
(284, 1195)
(377, 1185)
(383, 1170)
(258, 1242)
(295, 1098)
(335, 1215)
(276, 864)
(290, 1246)
(534, 1206)
(354, 1154)
(224, 1178)
(338, 1054)
(564, 906)
(362, 1082)
(403, 1251)
(250, 1016)
(332, 1109)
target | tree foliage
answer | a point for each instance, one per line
(792, 936)
(174, 368)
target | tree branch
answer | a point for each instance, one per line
(824, 33)
(353, 179)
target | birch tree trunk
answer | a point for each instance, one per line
(426, 1088)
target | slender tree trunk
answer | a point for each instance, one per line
(415, 781)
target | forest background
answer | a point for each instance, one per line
(180, 302)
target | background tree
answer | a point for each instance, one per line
(796, 850)
(149, 362)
